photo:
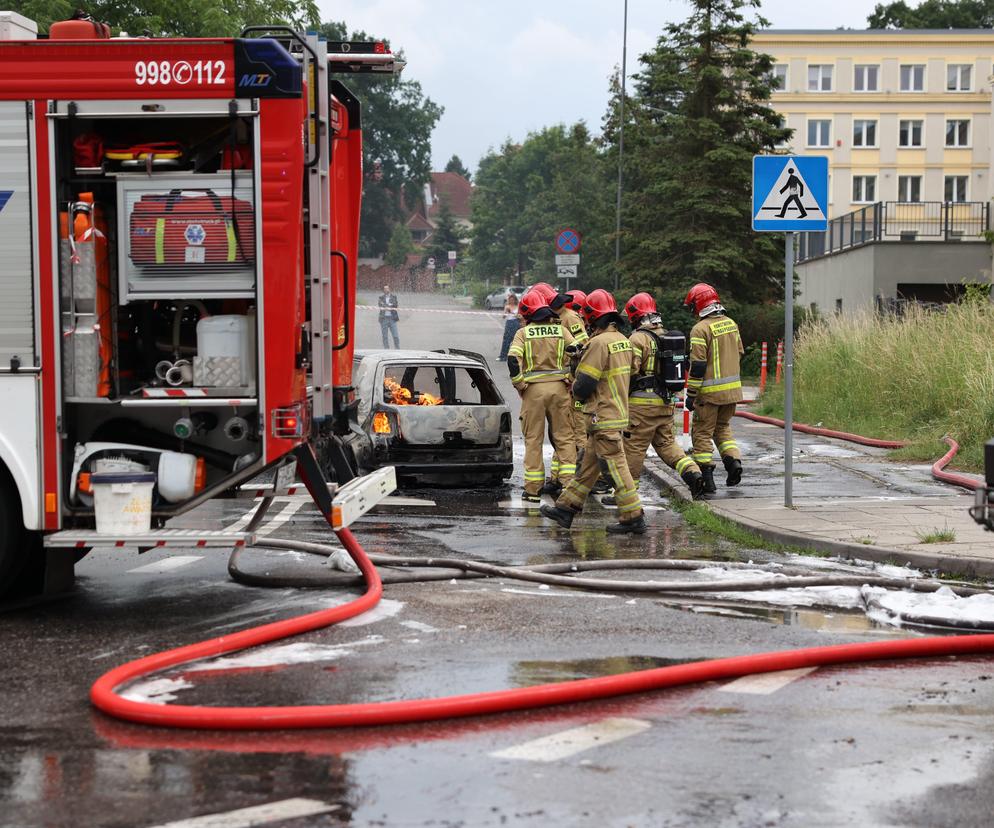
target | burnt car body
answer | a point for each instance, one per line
(436, 416)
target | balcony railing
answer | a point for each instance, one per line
(897, 221)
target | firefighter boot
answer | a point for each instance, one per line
(602, 486)
(707, 472)
(564, 517)
(734, 468)
(624, 527)
(695, 482)
(609, 500)
(551, 487)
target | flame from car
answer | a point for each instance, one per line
(399, 395)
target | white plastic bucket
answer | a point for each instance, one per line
(123, 502)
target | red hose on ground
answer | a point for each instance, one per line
(104, 697)
(950, 477)
(825, 432)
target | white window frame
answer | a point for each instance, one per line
(866, 129)
(911, 76)
(822, 75)
(827, 135)
(967, 141)
(908, 197)
(863, 180)
(965, 195)
(954, 74)
(856, 80)
(780, 77)
(783, 125)
(921, 133)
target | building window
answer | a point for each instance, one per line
(959, 77)
(909, 188)
(864, 133)
(956, 187)
(913, 77)
(958, 133)
(779, 77)
(864, 188)
(838, 306)
(910, 134)
(782, 125)
(820, 77)
(819, 133)
(865, 79)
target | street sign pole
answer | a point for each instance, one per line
(789, 195)
(788, 398)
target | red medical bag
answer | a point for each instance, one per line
(190, 228)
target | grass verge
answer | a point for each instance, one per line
(700, 516)
(916, 378)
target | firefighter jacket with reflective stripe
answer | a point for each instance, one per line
(608, 360)
(540, 348)
(644, 368)
(715, 346)
(572, 322)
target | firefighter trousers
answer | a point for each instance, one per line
(541, 402)
(652, 425)
(579, 420)
(603, 454)
(712, 424)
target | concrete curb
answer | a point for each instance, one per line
(945, 563)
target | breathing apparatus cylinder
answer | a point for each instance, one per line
(671, 361)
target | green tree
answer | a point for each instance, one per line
(525, 193)
(397, 122)
(178, 18)
(400, 245)
(702, 96)
(456, 165)
(934, 14)
(446, 236)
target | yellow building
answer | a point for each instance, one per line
(902, 115)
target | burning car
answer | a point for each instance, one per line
(436, 416)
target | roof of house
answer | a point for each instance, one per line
(416, 222)
(452, 187)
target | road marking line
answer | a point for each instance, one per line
(174, 562)
(765, 683)
(276, 521)
(576, 740)
(400, 500)
(256, 815)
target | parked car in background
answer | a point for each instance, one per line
(437, 417)
(496, 300)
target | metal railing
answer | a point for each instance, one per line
(890, 221)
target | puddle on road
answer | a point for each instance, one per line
(530, 673)
(808, 619)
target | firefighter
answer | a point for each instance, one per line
(538, 362)
(576, 302)
(573, 322)
(714, 385)
(601, 383)
(650, 405)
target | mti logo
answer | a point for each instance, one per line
(256, 81)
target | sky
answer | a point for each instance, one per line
(504, 69)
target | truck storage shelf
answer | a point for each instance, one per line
(198, 538)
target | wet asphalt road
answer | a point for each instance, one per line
(893, 744)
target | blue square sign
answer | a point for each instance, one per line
(789, 193)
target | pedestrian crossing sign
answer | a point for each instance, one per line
(789, 193)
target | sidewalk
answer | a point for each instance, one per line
(849, 500)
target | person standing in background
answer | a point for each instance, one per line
(387, 304)
(511, 323)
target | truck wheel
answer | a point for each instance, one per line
(14, 546)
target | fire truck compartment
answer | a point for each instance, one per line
(438, 418)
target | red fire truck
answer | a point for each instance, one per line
(179, 225)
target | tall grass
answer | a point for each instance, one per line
(914, 378)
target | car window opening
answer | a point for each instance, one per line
(448, 386)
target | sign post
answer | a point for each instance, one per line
(789, 194)
(567, 255)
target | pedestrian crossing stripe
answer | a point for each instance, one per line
(790, 193)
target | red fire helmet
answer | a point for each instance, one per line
(640, 305)
(700, 296)
(532, 302)
(547, 291)
(577, 299)
(599, 302)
